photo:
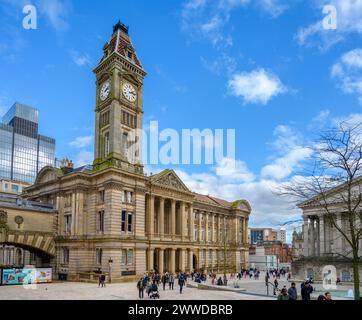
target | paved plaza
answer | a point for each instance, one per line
(126, 291)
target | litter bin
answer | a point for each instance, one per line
(63, 276)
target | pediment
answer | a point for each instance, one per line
(170, 179)
(47, 174)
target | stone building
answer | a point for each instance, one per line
(114, 218)
(323, 244)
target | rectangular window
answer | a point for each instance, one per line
(99, 254)
(65, 255)
(124, 196)
(14, 188)
(195, 232)
(130, 222)
(129, 197)
(124, 257)
(130, 257)
(68, 223)
(100, 221)
(202, 233)
(123, 221)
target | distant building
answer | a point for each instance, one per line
(13, 187)
(282, 235)
(260, 259)
(23, 151)
(257, 235)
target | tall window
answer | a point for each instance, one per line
(125, 144)
(65, 255)
(195, 232)
(202, 233)
(68, 223)
(99, 254)
(127, 197)
(129, 222)
(100, 221)
(126, 222)
(208, 234)
(123, 221)
(106, 144)
(127, 257)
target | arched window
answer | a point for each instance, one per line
(18, 257)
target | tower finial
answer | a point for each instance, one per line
(120, 26)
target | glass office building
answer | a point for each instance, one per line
(23, 151)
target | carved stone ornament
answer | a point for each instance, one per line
(171, 181)
(19, 220)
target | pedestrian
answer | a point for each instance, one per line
(276, 284)
(141, 288)
(171, 281)
(164, 281)
(306, 291)
(283, 295)
(181, 282)
(292, 292)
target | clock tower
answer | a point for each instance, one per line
(119, 104)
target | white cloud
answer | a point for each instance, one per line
(348, 72)
(56, 12)
(230, 169)
(257, 86)
(81, 142)
(208, 19)
(349, 20)
(79, 59)
(83, 158)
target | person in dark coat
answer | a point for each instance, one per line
(306, 291)
(141, 288)
(181, 282)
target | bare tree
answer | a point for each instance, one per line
(334, 185)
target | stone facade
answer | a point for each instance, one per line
(114, 218)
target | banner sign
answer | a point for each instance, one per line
(26, 276)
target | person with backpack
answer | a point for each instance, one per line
(181, 282)
(171, 281)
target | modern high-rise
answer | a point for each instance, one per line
(23, 151)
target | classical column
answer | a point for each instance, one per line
(200, 225)
(213, 227)
(183, 221)
(182, 260)
(173, 260)
(191, 222)
(74, 213)
(207, 227)
(337, 237)
(173, 218)
(160, 260)
(312, 237)
(321, 236)
(306, 236)
(218, 228)
(162, 218)
(151, 213)
(150, 259)
(191, 260)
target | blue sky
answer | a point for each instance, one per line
(266, 68)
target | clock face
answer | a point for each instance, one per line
(106, 88)
(129, 92)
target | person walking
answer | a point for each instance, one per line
(171, 281)
(141, 288)
(164, 281)
(292, 292)
(276, 284)
(181, 282)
